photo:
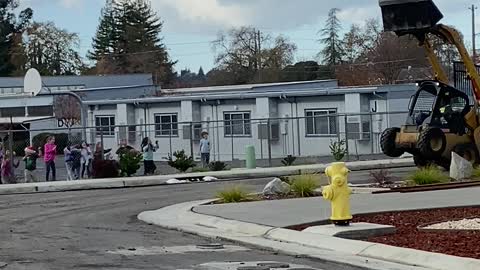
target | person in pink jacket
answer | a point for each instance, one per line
(49, 152)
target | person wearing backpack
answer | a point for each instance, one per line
(76, 161)
(30, 160)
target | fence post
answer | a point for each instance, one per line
(170, 139)
(102, 146)
(269, 140)
(231, 136)
(299, 141)
(192, 133)
(10, 149)
(372, 139)
(346, 136)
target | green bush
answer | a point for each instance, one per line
(338, 150)
(181, 162)
(289, 160)
(233, 194)
(217, 166)
(476, 172)
(429, 175)
(130, 162)
(305, 185)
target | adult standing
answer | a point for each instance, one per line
(205, 149)
(50, 151)
(147, 149)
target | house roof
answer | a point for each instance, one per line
(93, 81)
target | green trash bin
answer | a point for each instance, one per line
(251, 160)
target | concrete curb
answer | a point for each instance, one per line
(352, 252)
(161, 179)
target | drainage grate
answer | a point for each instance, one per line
(210, 246)
(275, 265)
(253, 268)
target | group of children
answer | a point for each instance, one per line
(78, 160)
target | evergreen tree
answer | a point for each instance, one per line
(11, 29)
(201, 75)
(333, 51)
(106, 36)
(129, 40)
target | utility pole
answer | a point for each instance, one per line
(473, 8)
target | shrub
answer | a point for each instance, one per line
(130, 162)
(305, 185)
(106, 169)
(181, 162)
(476, 172)
(233, 194)
(217, 166)
(429, 175)
(289, 160)
(338, 150)
(381, 177)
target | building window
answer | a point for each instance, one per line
(237, 124)
(105, 125)
(166, 125)
(322, 122)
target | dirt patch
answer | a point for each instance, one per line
(457, 243)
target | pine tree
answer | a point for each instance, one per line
(201, 75)
(106, 36)
(333, 51)
(12, 27)
(130, 41)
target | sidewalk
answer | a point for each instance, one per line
(261, 224)
(285, 213)
(162, 179)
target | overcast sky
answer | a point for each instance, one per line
(190, 25)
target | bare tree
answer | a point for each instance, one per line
(249, 55)
(67, 109)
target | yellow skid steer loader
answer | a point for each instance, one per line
(441, 119)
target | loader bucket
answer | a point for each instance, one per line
(409, 16)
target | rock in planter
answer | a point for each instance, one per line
(276, 187)
(209, 178)
(176, 181)
(460, 168)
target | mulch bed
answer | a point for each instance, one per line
(457, 243)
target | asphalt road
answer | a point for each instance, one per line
(98, 229)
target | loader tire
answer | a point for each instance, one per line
(387, 142)
(431, 143)
(467, 151)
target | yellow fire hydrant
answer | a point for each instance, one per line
(338, 193)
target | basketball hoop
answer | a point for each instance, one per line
(32, 82)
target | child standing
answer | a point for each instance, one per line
(67, 152)
(49, 153)
(7, 170)
(86, 159)
(148, 149)
(30, 160)
(205, 149)
(77, 161)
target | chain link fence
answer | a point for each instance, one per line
(307, 138)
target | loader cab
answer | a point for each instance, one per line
(439, 105)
